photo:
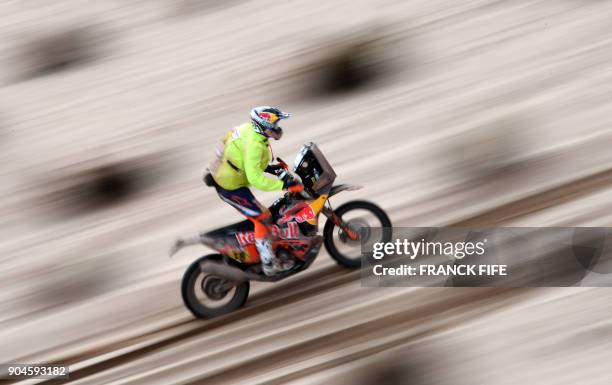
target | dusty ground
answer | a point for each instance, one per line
(476, 113)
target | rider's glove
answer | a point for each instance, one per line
(274, 169)
(293, 186)
(290, 183)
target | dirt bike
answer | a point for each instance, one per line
(217, 284)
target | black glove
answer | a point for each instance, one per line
(288, 182)
(292, 185)
(274, 169)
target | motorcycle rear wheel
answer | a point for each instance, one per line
(198, 287)
(332, 244)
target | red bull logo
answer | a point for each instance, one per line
(292, 231)
(268, 117)
(299, 213)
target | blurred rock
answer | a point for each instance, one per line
(351, 68)
(403, 367)
(350, 64)
(111, 183)
(391, 374)
(76, 281)
(97, 185)
(61, 50)
(490, 152)
(591, 248)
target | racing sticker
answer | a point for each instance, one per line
(291, 231)
(300, 213)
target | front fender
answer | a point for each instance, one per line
(343, 187)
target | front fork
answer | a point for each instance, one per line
(350, 233)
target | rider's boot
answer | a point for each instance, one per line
(270, 264)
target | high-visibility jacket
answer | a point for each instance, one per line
(242, 159)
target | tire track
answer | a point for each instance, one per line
(385, 327)
(211, 325)
(257, 303)
(540, 201)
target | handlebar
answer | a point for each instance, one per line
(282, 163)
(286, 174)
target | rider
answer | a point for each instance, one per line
(241, 161)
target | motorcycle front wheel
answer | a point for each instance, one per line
(361, 217)
(207, 295)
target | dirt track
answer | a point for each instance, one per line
(488, 113)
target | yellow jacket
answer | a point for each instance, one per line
(243, 159)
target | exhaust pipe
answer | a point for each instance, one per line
(235, 274)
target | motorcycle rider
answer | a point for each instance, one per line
(241, 161)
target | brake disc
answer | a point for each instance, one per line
(214, 287)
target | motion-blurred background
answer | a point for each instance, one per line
(480, 112)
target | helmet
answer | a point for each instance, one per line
(265, 121)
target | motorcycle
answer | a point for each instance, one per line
(218, 284)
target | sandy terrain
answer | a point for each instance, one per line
(476, 113)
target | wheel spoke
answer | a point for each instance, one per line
(351, 226)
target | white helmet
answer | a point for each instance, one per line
(265, 121)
